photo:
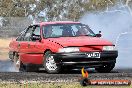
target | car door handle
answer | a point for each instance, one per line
(19, 45)
(28, 45)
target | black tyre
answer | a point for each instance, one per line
(28, 68)
(19, 66)
(16, 61)
(22, 67)
(105, 68)
(50, 64)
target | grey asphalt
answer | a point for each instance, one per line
(8, 73)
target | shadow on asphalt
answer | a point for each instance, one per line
(7, 66)
(77, 71)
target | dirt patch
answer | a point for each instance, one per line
(4, 48)
(4, 43)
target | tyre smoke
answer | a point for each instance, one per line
(116, 26)
(7, 66)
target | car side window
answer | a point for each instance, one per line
(28, 33)
(21, 36)
(35, 33)
(27, 36)
(36, 30)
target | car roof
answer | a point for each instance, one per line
(55, 22)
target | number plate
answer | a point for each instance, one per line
(93, 55)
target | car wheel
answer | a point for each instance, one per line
(50, 64)
(22, 67)
(28, 68)
(105, 68)
(16, 61)
(19, 66)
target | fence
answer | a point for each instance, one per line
(12, 26)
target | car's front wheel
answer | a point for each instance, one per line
(50, 64)
(105, 68)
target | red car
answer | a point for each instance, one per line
(55, 46)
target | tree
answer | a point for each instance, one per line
(56, 9)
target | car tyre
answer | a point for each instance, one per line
(28, 68)
(16, 61)
(22, 67)
(50, 64)
(19, 66)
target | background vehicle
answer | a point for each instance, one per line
(55, 45)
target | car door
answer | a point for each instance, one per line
(24, 45)
(33, 51)
(18, 41)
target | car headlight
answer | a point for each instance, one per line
(109, 48)
(69, 49)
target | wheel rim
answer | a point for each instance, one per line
(16, 63)
(50, 63)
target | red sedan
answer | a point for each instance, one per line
(58, 45)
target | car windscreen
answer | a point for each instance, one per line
(66, 30)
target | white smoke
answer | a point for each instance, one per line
(7, 66)
(116, 26)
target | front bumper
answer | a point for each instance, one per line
(81, 59)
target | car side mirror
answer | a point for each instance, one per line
(36, 37)
(99, 34)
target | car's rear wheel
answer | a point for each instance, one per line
(105, 68)
(16, 61)
(50, 64)
(27, 68)
(20, 67)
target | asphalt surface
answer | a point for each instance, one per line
(8, 73)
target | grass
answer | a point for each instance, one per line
(4, 48)
(54, 85)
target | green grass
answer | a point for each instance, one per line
(53, 85)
